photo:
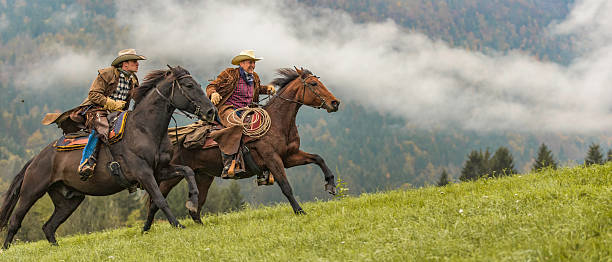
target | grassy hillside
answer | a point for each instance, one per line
(552, 215)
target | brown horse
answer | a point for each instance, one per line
(277, 150)
(142, 154)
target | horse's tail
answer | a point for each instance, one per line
(11, 196)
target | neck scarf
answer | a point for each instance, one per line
(249, 78)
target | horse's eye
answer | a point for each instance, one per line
(313, 84)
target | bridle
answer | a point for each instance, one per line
(304, 93)
(176, 83)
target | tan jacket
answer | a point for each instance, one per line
(104, 85)
(226, 84)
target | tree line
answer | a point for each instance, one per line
(481, 164)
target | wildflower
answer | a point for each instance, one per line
(460, 211)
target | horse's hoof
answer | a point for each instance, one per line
(55, 244)
(330, 189)
(191, 206)
(179, 226)
(300, 212)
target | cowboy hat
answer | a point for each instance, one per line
(127, 55)
(245, 55)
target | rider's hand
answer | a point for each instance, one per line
(215, 98)
(114, 105)
(271, 89)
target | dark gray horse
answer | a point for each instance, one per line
(143, 154)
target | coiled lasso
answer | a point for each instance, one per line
(258, 132)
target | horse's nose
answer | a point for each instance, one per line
(210, 115)
(335, 104)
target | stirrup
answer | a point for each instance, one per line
(265, 180)
(229, 171)
(86, 170)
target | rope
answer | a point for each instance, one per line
(246, 127)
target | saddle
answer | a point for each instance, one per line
(78, 140)
(201, 135)
(198, 134)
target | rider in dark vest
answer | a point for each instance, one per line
(235, 88)
(110, 91)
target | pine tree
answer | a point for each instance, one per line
(502, 163)
(476, 166)
(443, 178)
(544, 159)
(235, 199)
(594, 156)
(609, 156)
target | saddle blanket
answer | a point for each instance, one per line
(78, 141)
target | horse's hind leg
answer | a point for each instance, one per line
(26, 201)
(64, 207)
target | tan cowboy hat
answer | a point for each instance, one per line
(127, 55)
(245, 55)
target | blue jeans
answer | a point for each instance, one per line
(89, 149)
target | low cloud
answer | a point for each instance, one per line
(382, 66)
(379, 65)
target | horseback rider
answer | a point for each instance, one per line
(233, 89)
(110, 91)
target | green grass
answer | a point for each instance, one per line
(551, 216)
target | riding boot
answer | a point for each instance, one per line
(99, 132)
(88, 160)
(229, 165)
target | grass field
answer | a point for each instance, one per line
(562, 215)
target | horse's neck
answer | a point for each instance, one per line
(152, 115)
(283, 113)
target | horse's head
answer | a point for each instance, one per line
(182, 92)
(309, 90)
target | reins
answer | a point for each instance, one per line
(304, 84)
(180, 88)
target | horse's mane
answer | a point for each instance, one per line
(151, 80)
(286, 76)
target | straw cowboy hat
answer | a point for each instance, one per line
(245, 55)
(127, 55)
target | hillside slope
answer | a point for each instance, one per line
(552, 215)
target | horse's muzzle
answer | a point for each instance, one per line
(209, 116)
(333, 107)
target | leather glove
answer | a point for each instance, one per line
(114, 105)
(271, 89)
(215, 98)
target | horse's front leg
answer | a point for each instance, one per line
(174, 171)
(277, 169)
(303, 158)
(147, 181)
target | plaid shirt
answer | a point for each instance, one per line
(123, 89)
(242, 96)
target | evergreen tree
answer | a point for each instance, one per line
(443, 178)
(594, 156)
(476, 166)
(235, 199)
(502, 163)
(544, 159)
(609, 156)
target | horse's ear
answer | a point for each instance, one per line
(300, 72)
